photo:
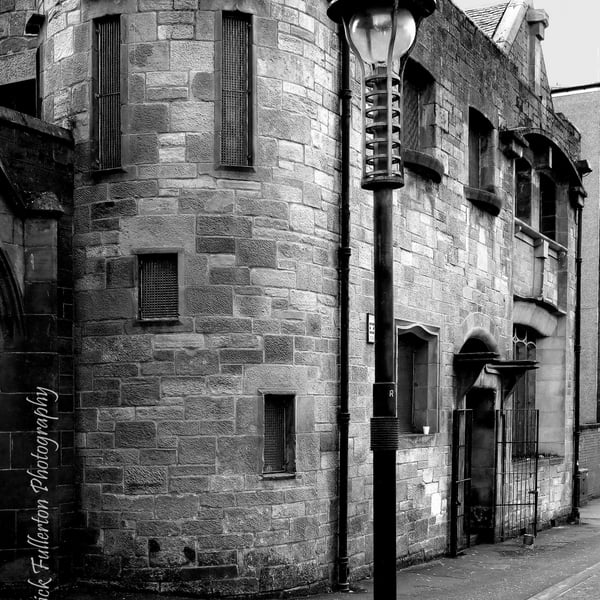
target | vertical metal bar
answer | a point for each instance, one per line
(467, 474)
(384, 399)
(454, 497)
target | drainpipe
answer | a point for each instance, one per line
(577, 361)
(344, 270)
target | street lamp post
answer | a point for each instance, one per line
(381, 34)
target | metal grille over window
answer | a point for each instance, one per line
(524, 428)
(275, 435)
(158, 286)
(411, 117)
(235, 117)
(108, 93)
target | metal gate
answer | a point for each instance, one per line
(517, 451)
(460, 510)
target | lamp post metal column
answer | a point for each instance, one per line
(381, 35)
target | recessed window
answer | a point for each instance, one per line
(547, 207)
(523, 191)
(481, 155)
(236, 91)
(279, 434)
(417, 381)
(107, 93)
(524, 433)
(411, 117)
(158, 287)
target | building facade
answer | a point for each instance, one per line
(206, 233)
(580, 105)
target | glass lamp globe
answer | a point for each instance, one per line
(370, 33)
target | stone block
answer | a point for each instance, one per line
(151, 118)
(158, 456)
(141, 149)
(196, 362)
(257, 253)
(108, 304)
(140, 393)
(225, 226)
(167, 231)
(145, 480)
(243, 357)
(192, 116)
(103, 475)
(40, 232)
(252, 306)
(209, 408)
(197, 451)
(209, 300)
(173, 508)
(215, 245)
(199, 148)
(229, 276)
(132, 189)
(40, 264)
(279, 349)
(152, 56)
(120, 272)
(141, 27)
(183, 386)
(193, 55)
(136, 434)
(238, 455)
(122, 208)
(203, 86)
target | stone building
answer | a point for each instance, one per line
(208, 288)
(580, 104)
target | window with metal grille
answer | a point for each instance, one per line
(158, 286)
(411, 117)
(236, 91)
(279, 434)
(107, 92)
(524, 428)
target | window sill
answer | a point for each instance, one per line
(424, 165)
(275, 476)
(488, 201)
(239, 168)
(99, 173)
(534, 234)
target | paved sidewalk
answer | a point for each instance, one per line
(563, 563)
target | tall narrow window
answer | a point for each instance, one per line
(524, 422)
(107, 93)
(279, 434)
(417, 381)
(411, 117)
(158, 287)
(480, 152)
(236, 91)
(523, 191)
(547, 207)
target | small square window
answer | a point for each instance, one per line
(279, 434)
(158, 287)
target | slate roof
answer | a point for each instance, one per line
(488, 17)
